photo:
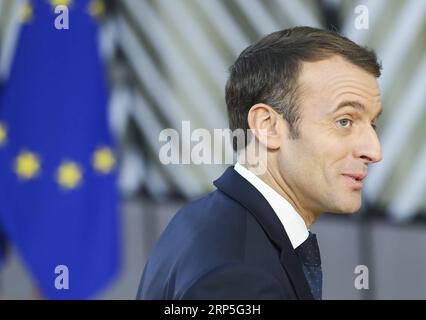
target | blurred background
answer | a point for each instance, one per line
(86, 87)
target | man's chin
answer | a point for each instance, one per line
(349, 207)
(343, 211)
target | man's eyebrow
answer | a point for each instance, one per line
(348, 103)
(356, 105)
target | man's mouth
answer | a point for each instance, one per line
(355, 180)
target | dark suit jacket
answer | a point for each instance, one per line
(228, 245)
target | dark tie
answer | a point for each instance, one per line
(309, 255)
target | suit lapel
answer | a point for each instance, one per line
(242, 191)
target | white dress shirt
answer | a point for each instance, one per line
(293, 223)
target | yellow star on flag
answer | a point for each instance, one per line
(56, 3)
(69, 175)
(27, 165)
(3, 134)
(97, 8)
(103, 160)
(25, 12)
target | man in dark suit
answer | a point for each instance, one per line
(310, 100)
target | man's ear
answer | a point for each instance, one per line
(266, 125)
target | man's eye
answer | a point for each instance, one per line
(345, 123)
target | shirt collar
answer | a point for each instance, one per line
(292, 222)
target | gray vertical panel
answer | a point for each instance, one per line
(9, 39)
(338, 241)
(401, 261)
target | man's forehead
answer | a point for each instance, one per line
(334, 68)
(336, 79)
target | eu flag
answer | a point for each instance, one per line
(58, 197)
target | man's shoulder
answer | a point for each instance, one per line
(209, 213)
(215, 201)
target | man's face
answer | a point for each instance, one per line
(339, 107)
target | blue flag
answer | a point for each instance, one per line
(58, 196)
(2, 237)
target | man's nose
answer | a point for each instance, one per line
(369, 148)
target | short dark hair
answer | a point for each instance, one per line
(268, 71)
